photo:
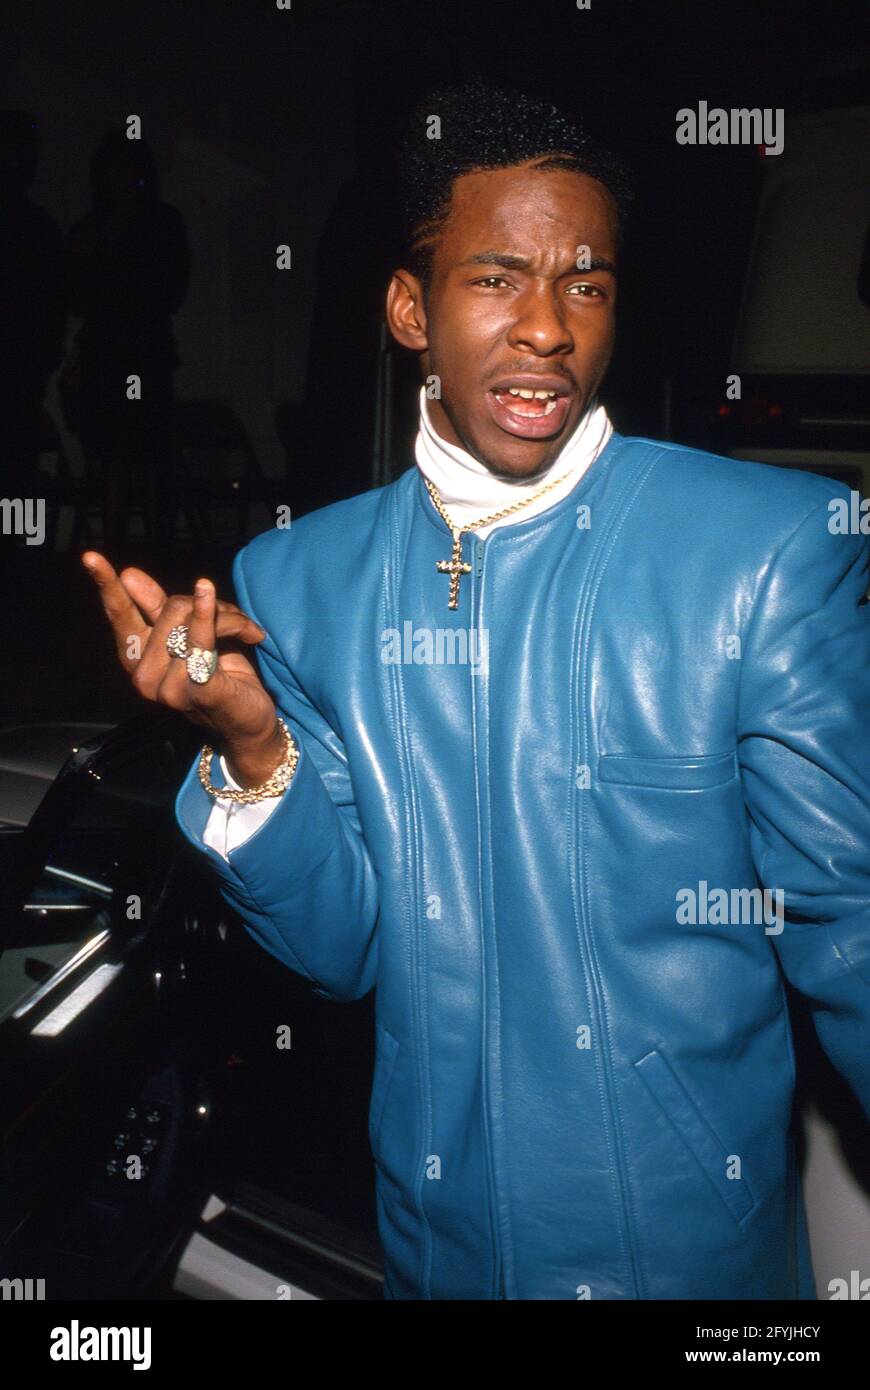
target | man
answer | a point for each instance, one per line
(550, 858)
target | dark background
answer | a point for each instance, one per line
(272, 127)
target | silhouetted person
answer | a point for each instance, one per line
(128, 274)
(349, 308)
(32, 312)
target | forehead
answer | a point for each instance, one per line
(523, 208)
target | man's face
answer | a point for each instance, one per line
(509, 310)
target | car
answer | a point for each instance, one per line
(181, 1117)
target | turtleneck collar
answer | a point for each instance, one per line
(469, 490)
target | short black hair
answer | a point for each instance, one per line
(486, 126)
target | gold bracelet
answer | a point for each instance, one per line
(273, 786)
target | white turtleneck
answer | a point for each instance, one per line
(468, 490)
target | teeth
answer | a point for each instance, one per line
(550, 397)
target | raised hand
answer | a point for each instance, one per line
(233, 704)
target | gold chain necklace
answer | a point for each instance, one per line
(455, 566)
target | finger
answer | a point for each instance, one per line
(235, 623)
(170, 683)
(201, 632)
(159, 666)
(156, 659)
(151, 599)
(203, 619)
(123, 615)
(177, 686)
(145, 592)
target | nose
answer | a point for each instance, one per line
(540, 325)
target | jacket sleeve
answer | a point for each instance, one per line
(804, 752)
(233, 822)
(303, 882)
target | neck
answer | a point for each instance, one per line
(470, 491)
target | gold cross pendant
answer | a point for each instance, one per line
(455, 567)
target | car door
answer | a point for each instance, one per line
(110, 931)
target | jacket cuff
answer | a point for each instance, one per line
(269, 842)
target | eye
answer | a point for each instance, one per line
(488, 280)
(596, 291)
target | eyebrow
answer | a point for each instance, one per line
(508, 261)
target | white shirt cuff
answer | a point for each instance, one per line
(231, 823)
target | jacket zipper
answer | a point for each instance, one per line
(477, 576)
(613, 1113)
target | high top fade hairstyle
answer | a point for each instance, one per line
(484, 126)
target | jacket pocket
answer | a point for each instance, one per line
(679, 774)
(700, 1139)
(387, 1050)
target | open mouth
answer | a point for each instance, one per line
(530, 412)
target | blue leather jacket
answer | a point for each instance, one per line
(584, 1066)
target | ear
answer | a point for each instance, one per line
(406, 314)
